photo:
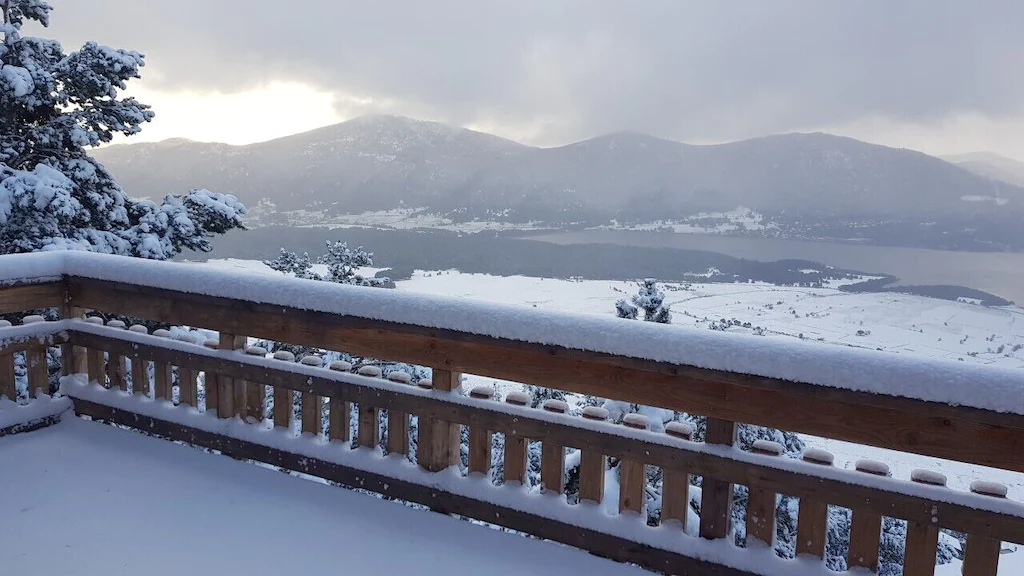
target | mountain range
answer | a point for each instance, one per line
(990, 165)
(386, 162)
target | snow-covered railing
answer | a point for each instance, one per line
(235, 399)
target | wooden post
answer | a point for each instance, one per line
(866, 526)
(369, 416)
(226, 394)
(812, 519)
(398, 422)
(761, 503)
(515, 459)
(188, 381)
(163, 378)
(439, 437)
(675, 484)
(311, 415)
(283, 397)
(716, 495)
(922, 544)
(96, 360)
(254, 393)
(981, 557)
(592, 464)
(341, 411)
(117, 366)
(552, 455)
(632, 479)
(7, 381)
(140, 367)
(75, 361)
(211, 388)
(35, 362)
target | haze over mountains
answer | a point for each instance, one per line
(386, 162)
(990, 165)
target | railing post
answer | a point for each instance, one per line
(117, 366)
(398, 422)
(981, 557)
(515, 458)
(552, 455)
(73, 358)
(632, 476)
(254, 394)
(340, 410)
(812, 518)
(35, 362)
(761, 502)
(716, 495)
(140, 367)
(592, 464)
(480, 438)
(310, 410)
(226, 407)
(866, 525)
(211, 383)
(283, 397)
(163, 377)
(922, 545)
(188, 384)
(7, 381)
(439, 437)
(369, 416)
(96, 359)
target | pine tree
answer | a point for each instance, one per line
(649, 299)
(341, 261)
(52, 194)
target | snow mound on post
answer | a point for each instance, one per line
(819, 456)
(928, 477)
(989, 488)
(986, 387)
(371, 371)
(872, 467)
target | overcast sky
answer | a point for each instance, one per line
(942, 76)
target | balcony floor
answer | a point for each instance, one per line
(86, 498)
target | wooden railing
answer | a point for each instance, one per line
(115, 365)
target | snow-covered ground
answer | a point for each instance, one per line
(173, 505)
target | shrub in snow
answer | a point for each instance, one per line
(649, 299)
(52, 194)
(341, 261)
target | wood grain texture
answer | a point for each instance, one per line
(598, 543)
(7, 381)
(760, 517)
(340, 417)
(310, 411)
(675, 499)
(283, 407)
(865, 530)
(682, 456)
(716, 493)
(188, 387)
(369, 426)
(981, 558)
(480, 451)
(592, 470)
(921, 548)
(812, 527)
(224, 383)
(632, 482)
(163, 381)
(398, 434)
(934, 429)
(552, 467)
(38, 372)
(97, 366)
(515, 459)
(140, 376)
(23, 297)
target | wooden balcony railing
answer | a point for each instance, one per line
(114, 382)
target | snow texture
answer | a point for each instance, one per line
(986, 387)
(14, 414)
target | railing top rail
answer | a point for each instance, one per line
(955, 383)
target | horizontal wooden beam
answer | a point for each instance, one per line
(597, 543)
(674, 457)
(902, 424)
(23, 297)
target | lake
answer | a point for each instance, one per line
(999, 273)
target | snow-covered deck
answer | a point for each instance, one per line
(94, 499)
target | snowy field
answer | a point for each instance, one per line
(174, 504)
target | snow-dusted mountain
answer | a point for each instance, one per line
(385, 162)
(991, 165)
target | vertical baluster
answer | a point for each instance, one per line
(866, 526)
(253, 393)
(95, 358)
(552, 455)
(716, 495)
(163, 376)
(675, 484)
(211, 385)
(369, 416)
(812, 519)
(311, 419)
(632, 479)
(981, 557)
(140, 367)
(226, 393)
(7, 382)
(188, 380)
(341, 411)
(922, 545)
(35, 362)
(117, 365)
(592, 464)
(283, 397)
(515, 458)
(73, 358)
(398, 422)
(438, 444)
(761, 502)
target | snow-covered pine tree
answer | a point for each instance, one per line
(342, 263)
(52, 194)
(649, 299)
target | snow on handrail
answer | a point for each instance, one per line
(984, 387)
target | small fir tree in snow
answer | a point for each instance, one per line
(649, 299)
(52, 194)
(342, 263)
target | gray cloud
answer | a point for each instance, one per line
(685, 70)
